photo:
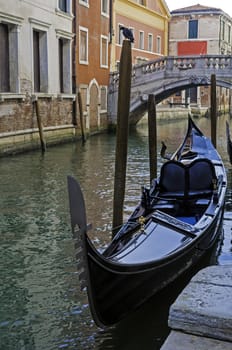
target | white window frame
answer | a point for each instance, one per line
(14, 24)
(141, 40)
(84, 29)
(150, 42)
(120, 35)
(84, 2)
(43, 28)
(104, 108)
(67, 64)
(158, 44)
(141, 2)
(69, 6)
(105, 13)
(104, 37)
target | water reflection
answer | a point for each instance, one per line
(41, 303)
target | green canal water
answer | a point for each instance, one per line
(41, 306)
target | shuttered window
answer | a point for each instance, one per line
(61, 65)
(4, 59)
(193, 29)
(104, 51)
(105, 7)
(83, 46)
(40, 61)
(36, 61)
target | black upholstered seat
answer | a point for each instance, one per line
(202, 176)
(172, 179)
(186, 181)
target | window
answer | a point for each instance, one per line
(64, 44)
(141, 40)
(104, 51)
(9, 61)
(193, 29)
(158, 44)
(223, 30)
(64, 47)
(40, 61)
(61, 65)
(4, 59)
(229, 34)
(150, 42)
(36, 57)
(83, 45)
(63, 5)
(120, 35)
(84, 2)
(103, 98)
(105, 7)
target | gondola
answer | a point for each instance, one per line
(229, 142)
(175, 223)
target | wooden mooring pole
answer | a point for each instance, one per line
(213, 110)
(81, 116)
(152, 136)
(122, 131)
(40, 126)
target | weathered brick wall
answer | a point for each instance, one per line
(19, 124)
(55, 112)
(16, 115)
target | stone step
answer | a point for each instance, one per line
(203, 312)
(183, 341)
(205, 305)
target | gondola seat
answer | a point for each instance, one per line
(188, 181)
(201, 177)
(172, 180)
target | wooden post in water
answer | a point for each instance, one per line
(40, 126)
(213, 110)
(81, 116)
(152, 136)
(122, 133)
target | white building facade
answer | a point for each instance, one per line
(35, 65)
(201, 30)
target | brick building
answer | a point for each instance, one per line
(91, 60)
(52, 52)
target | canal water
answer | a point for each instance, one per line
(41, 306)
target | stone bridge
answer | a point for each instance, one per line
(166, 76)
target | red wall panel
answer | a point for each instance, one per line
(192, 48)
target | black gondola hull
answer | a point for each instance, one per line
(116, 290)
(175, 224)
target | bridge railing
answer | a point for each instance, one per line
(173, 64)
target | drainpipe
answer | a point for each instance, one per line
(111, 20)
(74, 29)
(74, 82)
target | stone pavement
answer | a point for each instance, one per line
(201, 317)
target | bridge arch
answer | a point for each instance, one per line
(166, 76)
